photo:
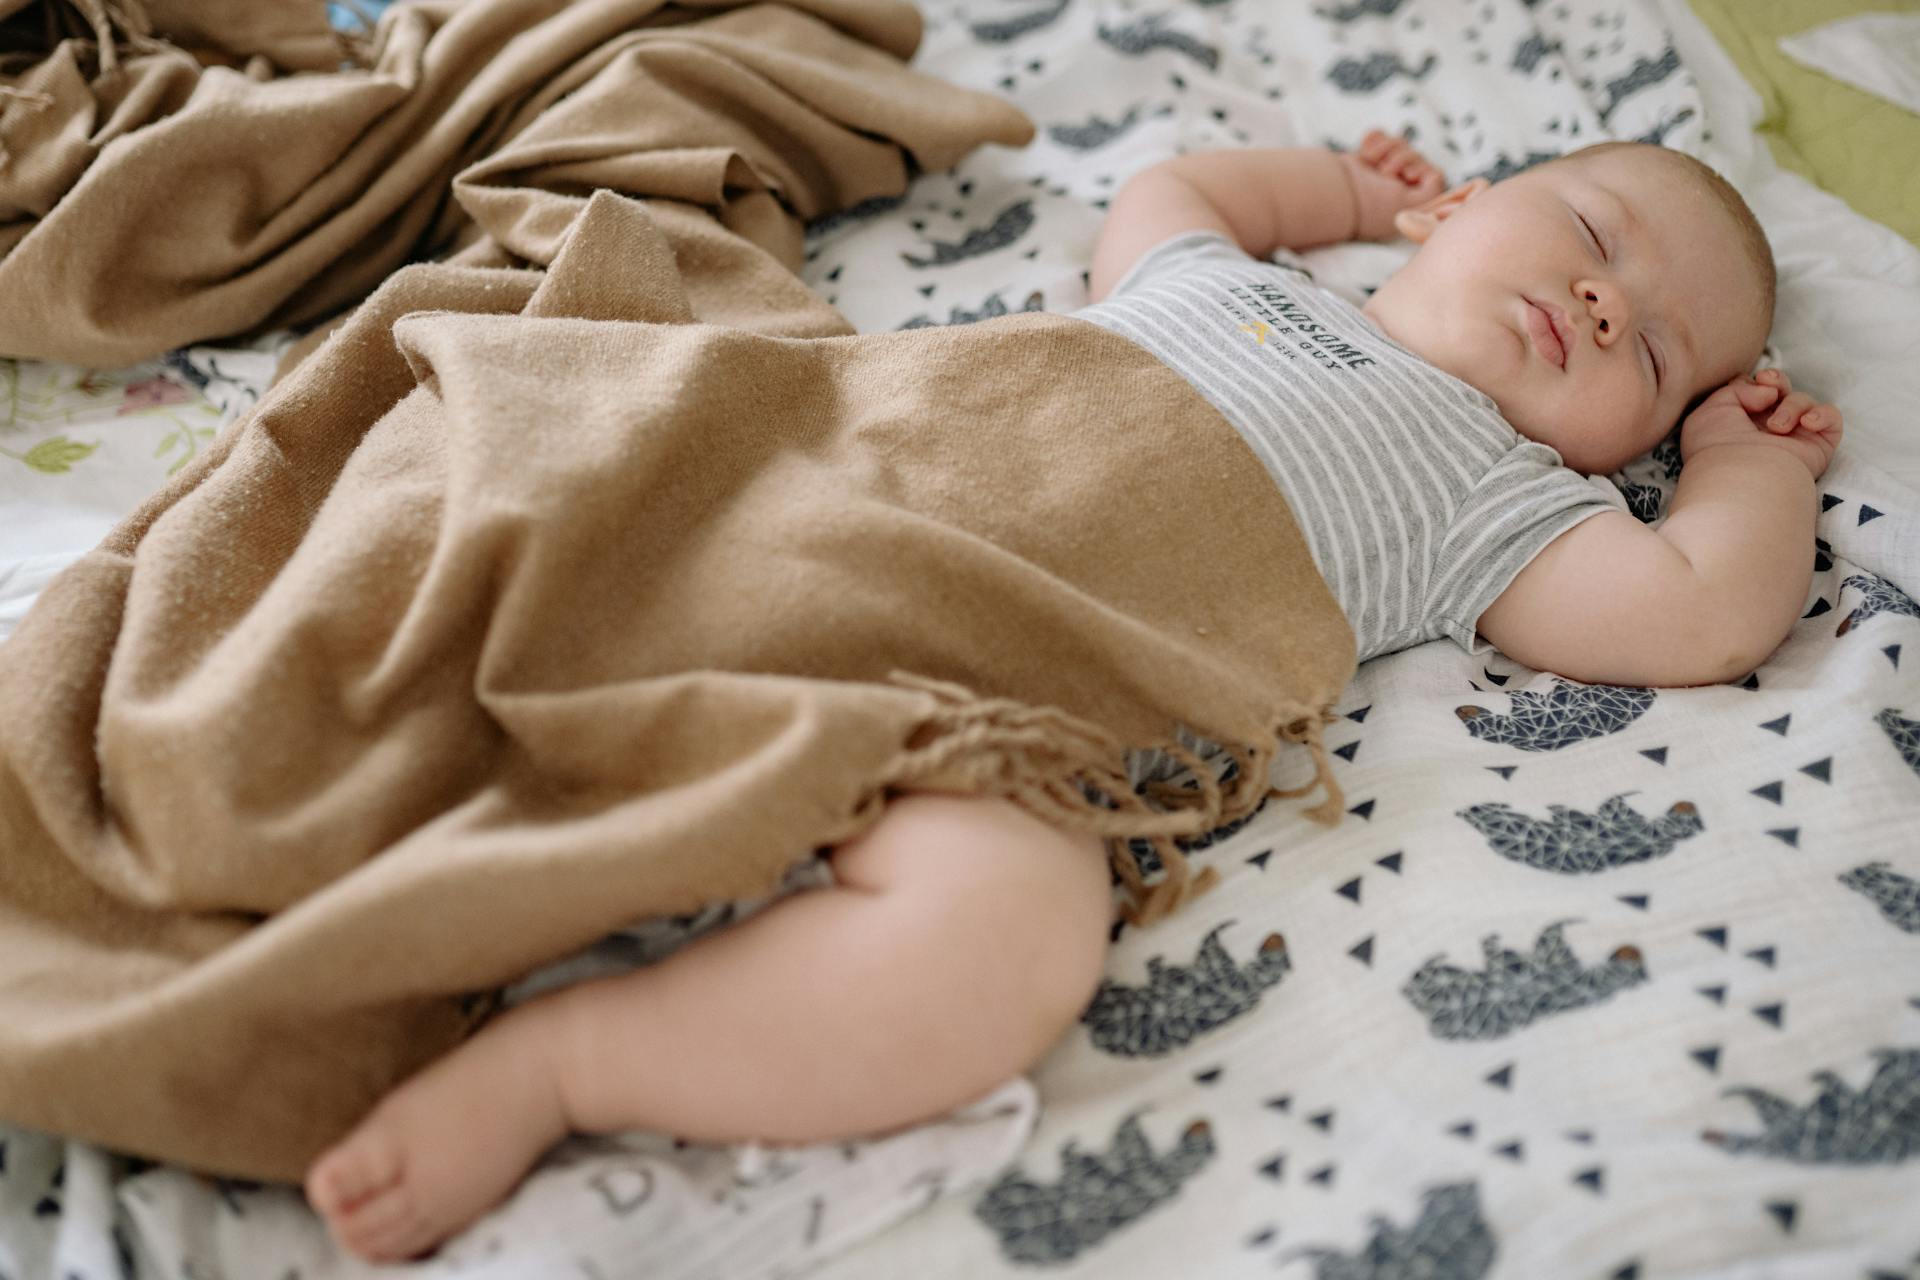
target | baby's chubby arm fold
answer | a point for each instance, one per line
(1711, 593)
(1263, 199)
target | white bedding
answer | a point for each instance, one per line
(1561, 928)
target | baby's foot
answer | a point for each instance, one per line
(440, 1150)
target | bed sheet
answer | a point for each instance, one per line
(1589, 981)
(1815, 120)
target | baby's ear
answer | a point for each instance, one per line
(1417, 223)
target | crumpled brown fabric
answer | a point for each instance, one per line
(149, 201)
(535, 604)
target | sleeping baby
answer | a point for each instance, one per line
(1432, 445)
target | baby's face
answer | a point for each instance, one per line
(1590, 300)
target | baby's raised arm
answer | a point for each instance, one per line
(1710, 594)
(1264, 199)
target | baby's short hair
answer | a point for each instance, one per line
(1753, 239)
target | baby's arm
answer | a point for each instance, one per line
(1264, 199)
(1710, 594)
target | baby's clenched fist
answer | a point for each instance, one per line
(1388, 175)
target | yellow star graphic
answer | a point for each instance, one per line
(1258, 329)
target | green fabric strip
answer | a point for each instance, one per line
(1852, 143)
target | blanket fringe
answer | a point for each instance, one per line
(118, 25)
(31, 99)
(121, 27)
(1309, 733)
(1072, 773)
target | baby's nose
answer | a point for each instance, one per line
(1606, 305)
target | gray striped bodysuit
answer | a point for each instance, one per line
(1418, 502)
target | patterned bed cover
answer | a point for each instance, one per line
(1619, 983)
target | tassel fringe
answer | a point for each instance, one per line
(1072, 773)
(31, 99)
(121, 27)
(118, 25)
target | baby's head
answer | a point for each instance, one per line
(1593, 298)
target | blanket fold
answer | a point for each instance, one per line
(535, 603)
(148, 201)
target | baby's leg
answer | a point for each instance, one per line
(960, 941)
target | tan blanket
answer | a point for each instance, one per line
(147, 202)
(534, 604)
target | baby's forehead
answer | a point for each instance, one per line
(1636, 175)
(1656, 194)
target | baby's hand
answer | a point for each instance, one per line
(1765, 409)
(1388, 175)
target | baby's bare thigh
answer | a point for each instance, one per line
(929, 841)
(993, 873)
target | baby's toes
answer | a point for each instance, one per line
(388, 1228)
(365, 1163)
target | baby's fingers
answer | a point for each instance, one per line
(1754, 396)
(1823, 419)
(1785, 417)
(1395, 158)
(1375, 145)
(1412, 168)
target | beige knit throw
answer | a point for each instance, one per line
(148, 201)
(536, 603)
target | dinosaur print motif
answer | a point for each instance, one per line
(1179, 1003)
(1147, 854)
(1364, 75)
(1643, 501)
(991, 309)
(1903, 733)
(1013, 222)
(1879, 1124)
(1657, 136)
(1040, 1223)
(1146, 35)
(1012, 29)
(1515, 988)
(1096, 132)
(1576, 843)
(1360, 9)
(1897, 896)
(866, 210)
(1877, 595)
(1644, 72)
(1450, 1241)
(1530, 51)
(1567, 714)
(1505, 166)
